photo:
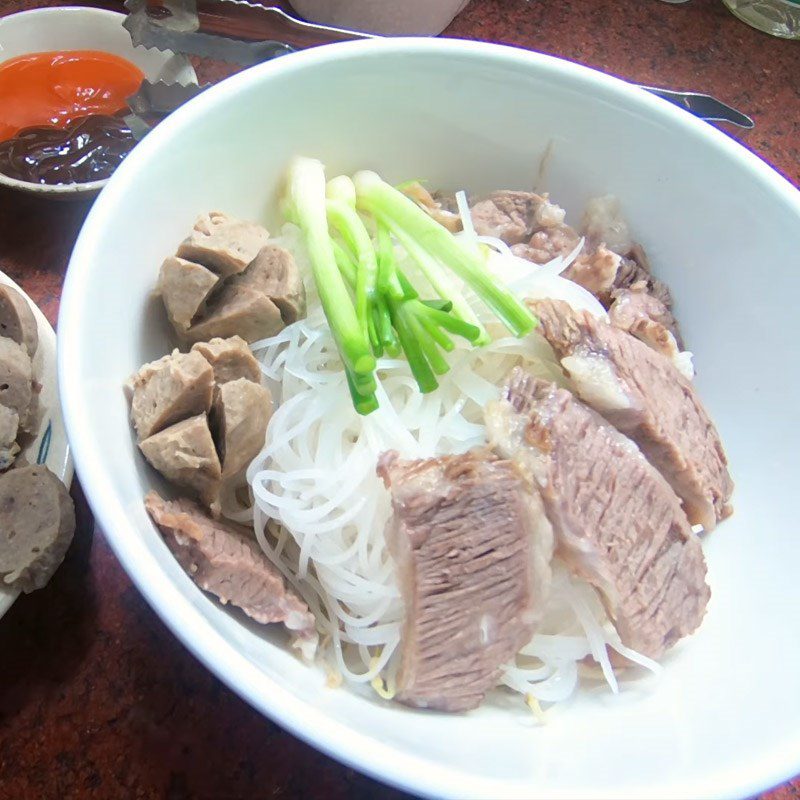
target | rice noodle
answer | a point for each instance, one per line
(496, 244)
(320, 509)
(466, 216)
(546, 667)
(537, 283)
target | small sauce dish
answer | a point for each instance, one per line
(76, 28)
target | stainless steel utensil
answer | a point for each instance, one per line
(704, 106)
(244, 33)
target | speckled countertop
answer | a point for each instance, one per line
(97, 699)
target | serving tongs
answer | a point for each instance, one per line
(244, 33)
(235, 31)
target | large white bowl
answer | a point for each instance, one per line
(722, 228)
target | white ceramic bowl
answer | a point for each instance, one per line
(721, 227)
(387, 17)
(78, 28)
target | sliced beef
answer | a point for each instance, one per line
(647, 318)
(239, 416)
(222, 243)
(447, 201)
(514, 216)
(17, 321)
(222, 558)
(473, 551)
(37, 521)
(237, 311)
(184, 287)
(274, 273)
(645, 396)
(548, 243)
(609, 263)
(16, 378)
(604, 224)
(230, 359)
(445, 216)
(618, 524)
(634, 273)
(170, 389)
(184, 454)
(595, 270)
(9, 428)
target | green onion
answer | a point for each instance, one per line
(345, 220)
(408, 222)
(305, 205)
(438, 335)
(419, 366)
(434, 358)
(388, 281)
(345, 263)
(364, 403)
(450, 323)
(372, 307)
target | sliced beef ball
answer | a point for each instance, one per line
(274, 273)
(618, 524)
(239, 417)
(16, 379)
(37, 522)
(645, 396)
(473, 551)
(9, 428)
(228, 280)
(514, 216)
(222, 558)
(17, 321)
(237, 311)
(184, 287)
(33, 419)
(185, 455)
(230, 359)
(222, 243)
(170, 389)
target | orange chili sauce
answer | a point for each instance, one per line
(54, 88)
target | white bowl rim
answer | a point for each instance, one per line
(313, 726)
(87, 187)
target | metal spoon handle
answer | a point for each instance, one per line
(704, 106)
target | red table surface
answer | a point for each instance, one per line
(97, 698)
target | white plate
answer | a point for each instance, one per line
(78, 28)
(50, 446)
(722, 229)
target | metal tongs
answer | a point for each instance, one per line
(245, 33)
